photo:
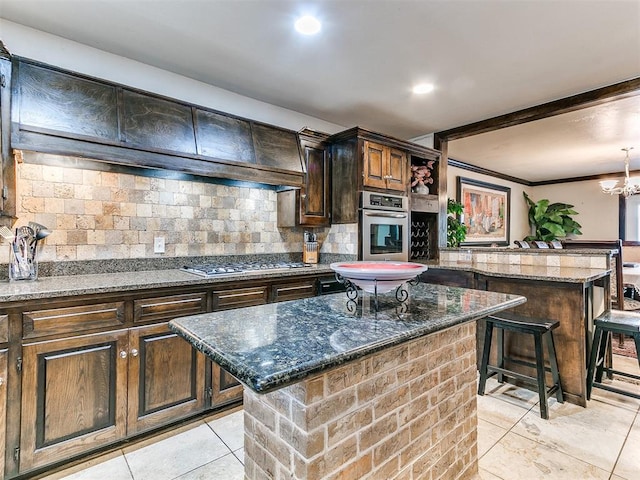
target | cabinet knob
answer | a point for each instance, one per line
(1, 381)
(303, 196)
(123, 354)
(134, 352)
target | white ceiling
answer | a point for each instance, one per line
(485, 57)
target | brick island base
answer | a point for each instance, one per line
(407, 412)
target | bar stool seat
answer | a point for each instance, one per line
(613, 321)
(540, 329)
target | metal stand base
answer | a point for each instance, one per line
(402, 294)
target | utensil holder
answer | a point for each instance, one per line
(21, 268)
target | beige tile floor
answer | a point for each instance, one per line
(601, 441)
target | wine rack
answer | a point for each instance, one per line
(424, 240)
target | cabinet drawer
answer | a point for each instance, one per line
(424, 203)
(239, 297)
(40, 323)
(4, 328)
(293, 291)
(169, 307)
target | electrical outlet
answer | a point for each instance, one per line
(158, 245)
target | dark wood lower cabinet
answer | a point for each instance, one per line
(84, 387)
(73, 396)
(166, 378)
(225, 387)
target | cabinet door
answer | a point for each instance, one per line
(314, 196)
(7, 167)
(275, 147)
(3, 407)
(65, 104)
(166, 378)
(224, 137)
(73, 396)
(226, 388)
(397, 170)
(157, 124)
(385, 167)
(375, 162)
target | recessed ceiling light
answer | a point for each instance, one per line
(308, 25)
(423, 88)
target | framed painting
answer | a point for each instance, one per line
(487, 209)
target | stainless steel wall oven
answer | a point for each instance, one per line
(384, 227)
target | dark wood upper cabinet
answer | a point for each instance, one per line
(224, 137)
(310, 205)
(65, 113)
(365, 160)
(276, 147)
(315, 195)
(154, 123)
(52, 101)
(385, 167)
(7, 164)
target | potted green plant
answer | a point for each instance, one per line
(551, 221)
(456, 230)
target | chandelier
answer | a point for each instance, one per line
(631, 186)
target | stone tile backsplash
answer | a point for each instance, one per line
(108, 215)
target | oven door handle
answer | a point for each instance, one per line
(385, 215)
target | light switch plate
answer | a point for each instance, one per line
(158, 245)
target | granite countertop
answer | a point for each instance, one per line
(531, 251)
(529, 272)
(270, 346)
(63, 286)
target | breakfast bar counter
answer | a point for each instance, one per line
(573, 295)
(336, 387)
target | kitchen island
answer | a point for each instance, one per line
(338, 389)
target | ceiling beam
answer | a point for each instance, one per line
(618, 91)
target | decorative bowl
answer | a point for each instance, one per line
(386, 276)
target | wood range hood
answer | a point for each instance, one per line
(66, 113)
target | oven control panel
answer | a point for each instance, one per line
(381, 201)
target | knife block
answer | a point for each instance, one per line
(310, 252)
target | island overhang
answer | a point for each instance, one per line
(270, 346)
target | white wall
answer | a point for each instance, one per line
(34, 44)
(519, 223)
(597, 212)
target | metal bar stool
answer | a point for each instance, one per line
(540, 329)
(613, 321)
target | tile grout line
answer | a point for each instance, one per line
(505, 434)
(222, 440)
(581, 460)
(127, 463)
(560, 451)
(615, 464)
(200, 466)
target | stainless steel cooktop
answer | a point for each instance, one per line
(216, 269)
